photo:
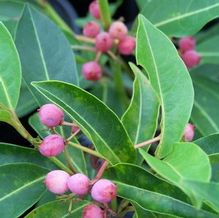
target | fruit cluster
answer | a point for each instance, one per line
(188, 53)
(58, 181)
(116, 39)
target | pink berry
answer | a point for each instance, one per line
(189, 132)
(186, 44)
(104, 191)
(103, 42)
(191, 58)
(51, 115)
(92, 211)
(94, 9)
(127, 45)
(79, 184)
(56, 181)
(118, 30)
(52, 145)
(91, 29)
(92, 71)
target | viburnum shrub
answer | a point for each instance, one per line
(122, 119)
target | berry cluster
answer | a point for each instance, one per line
(58, 181)
(116, 39)
(188, 53)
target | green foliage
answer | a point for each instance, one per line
(50, 54)
(133, 104)
(177, 17)
(170, 81)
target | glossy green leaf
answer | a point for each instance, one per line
(140, 119)
(10, 68)
(180, 18)
(186, 162)
(151, 193)
(43, 56)
(21, 185)
(16, 154)
(77, 156)
(94, 118)
(169, 78)
(207, 192)
(59, 209)
(205, 110)
(214, 159)
(10, 10)
(210, 144)
(144, 179)
(208, 51)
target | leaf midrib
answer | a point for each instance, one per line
(185, 15)
(39, 46)
(21, 188)
(159, 86)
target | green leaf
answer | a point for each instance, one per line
(10, 68)
(177, 18)
(207, 192)
(95, 119)
(16, 154)
(58, 209)
(151, 193)
(140, 119)
(205, 110)
(10, 10)
(21, 186)
(43, 56)
(210, 144)
(77, 156)
(169, 78)
(186, 162)
(208, 51)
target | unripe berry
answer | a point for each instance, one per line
(56, 181)
(94, 9)
(51, 115)
(104, 191)
(79, 184)
(52, 145)
(92, 71)
(186, 44)
(103, 42)
(118, 30)
(91, 29)
(191, 58)
(189, 132)
(127, 45)
(92, 211)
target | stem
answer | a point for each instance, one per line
(15, 122)
(48, 9)
(98, 56)
(100, 172)
(60, 164)
(69, 160)
(65, 123)
(148, 142)
(83, 48)
(87, 150)
(72, 136)
(84, 39)
(105, 13)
